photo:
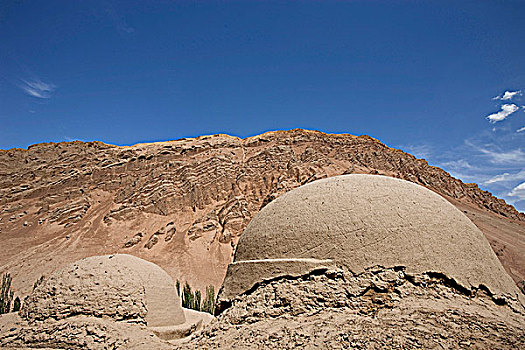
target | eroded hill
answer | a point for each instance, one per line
(183, 204)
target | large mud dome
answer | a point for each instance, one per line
(359, 221)
(364, 261)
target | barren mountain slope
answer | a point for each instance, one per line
(183, 204)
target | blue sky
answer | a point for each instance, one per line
(422, 76)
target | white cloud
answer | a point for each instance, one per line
(458, 164)
(521, 129)
(507, 95)
(506, 110)
(512, 157)
(419, 151)
(37, 88)
(507, 177)
(518, 192)
(464, 170)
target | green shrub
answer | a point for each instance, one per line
(187, 297)
(177, 286)
(6, 294)
(209, 301)
(193, 300)
(197, 300)
(16, 304)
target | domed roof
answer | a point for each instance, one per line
(121, 286)
(361, 221)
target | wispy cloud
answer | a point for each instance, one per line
(37, 88)
(518, 192)
(507, 177)
(507, 95)
(419, 151)
(495, 162)
(506, 110)
(521, 129)
(464, 170)
(458, 164)
(512, 157)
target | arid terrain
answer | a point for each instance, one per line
(183, 204)
(318, 311)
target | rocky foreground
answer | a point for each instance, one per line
(183, 204)
(328, 309)
(379, 309)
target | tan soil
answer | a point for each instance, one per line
(378, 309)
(183, 204)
